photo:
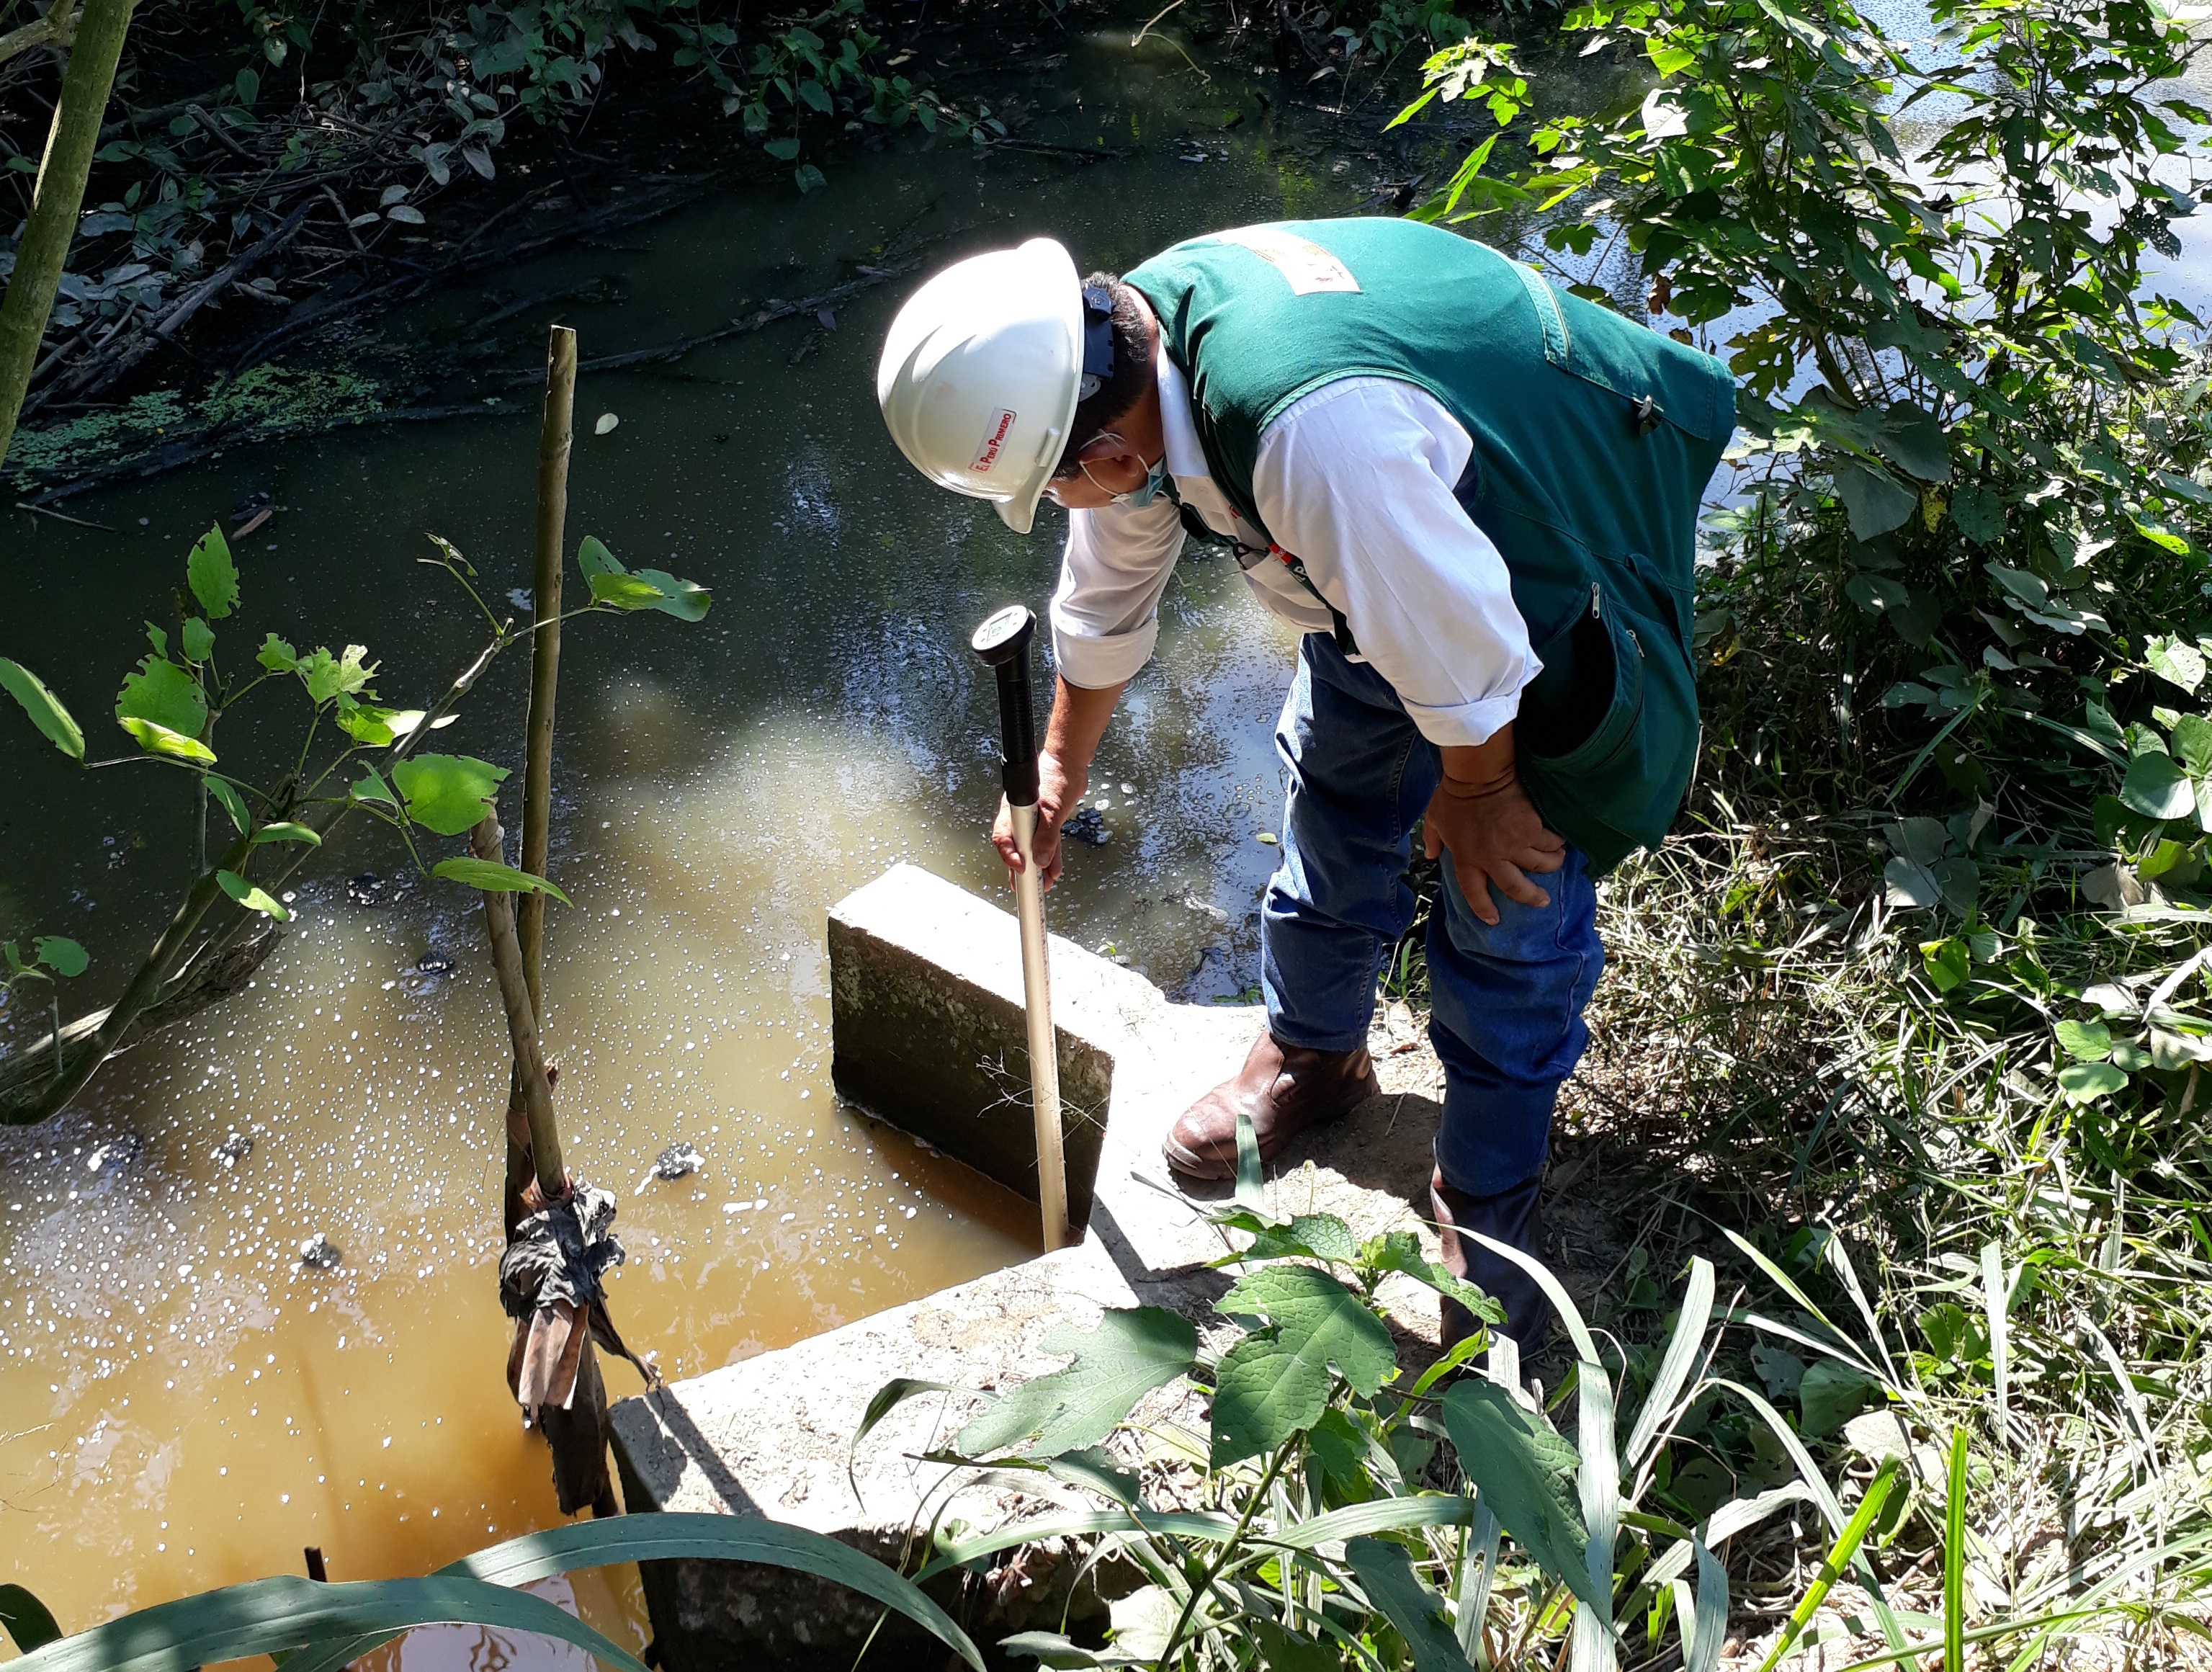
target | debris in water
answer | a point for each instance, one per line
(234, 1148)
(520, 597)
(1269, 837)
(319, 1252)
(120, 1151)
(366, 890)
(432, 963)
(607, 422)
(680, 1160)
(1089, 828)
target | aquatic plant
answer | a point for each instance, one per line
(355, 755)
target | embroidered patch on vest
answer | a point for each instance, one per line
(1310, 269)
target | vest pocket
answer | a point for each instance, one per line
(1582, 711)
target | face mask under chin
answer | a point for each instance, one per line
(1141, 495)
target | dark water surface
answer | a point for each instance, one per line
(183, 1403)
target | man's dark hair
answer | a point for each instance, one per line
(1114, 398)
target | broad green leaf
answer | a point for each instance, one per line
(1275, 1382)
(2156, 787)
(2090, 1082)
(1308, 1236)
(1830, 1395)
(277, 656)
(686, 600)
(233, 802)
(1874, 501)
(447, 794)
(61, 955)
(44, 708)
(2192, 745)
(1386, 1575)
(198, 640)
(158, 739)
(593, 558)
(1401, 1251)
(164, 693)
(1519, 1469)
(1132, 1351)
(14, 956)
(2176, 662)
(213, 577)
(489, 878)
(2086, 1041)
(1909, 885)
(26, 1619)
(624, 591)
(326, 676)
(287, 831)
(367, 724)
(1947, 963)
(371, 787)
(158, 638)
(253, 898)
(1912, 439)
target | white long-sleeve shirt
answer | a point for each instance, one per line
(1356, 478)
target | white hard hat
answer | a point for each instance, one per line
(982, 372)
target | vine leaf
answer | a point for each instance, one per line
(495, 879)
(1520, 1467)
(165, 694)
(233, 803)
(253, 898)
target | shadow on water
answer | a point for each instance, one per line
(185, 1402)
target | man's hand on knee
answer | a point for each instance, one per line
(1484, 820)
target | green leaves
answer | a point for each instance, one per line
(44, 708)
(1132, 1351)
(1521, 1467)
(2156, 787)
(212, 576)
(287, 831)
(326, 676)
(158, 739)
(198, 640)
(494, 879)
(253, 898)
(62, 955)
(163, 695)
(2090, 1082)
(1275, 1382)
(2085, 1042)
(277, 656)
(643, 589)
(1386, 1574)
(232, 802)
(447, 794)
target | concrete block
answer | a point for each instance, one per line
(927, 986)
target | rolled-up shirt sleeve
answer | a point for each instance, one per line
(1357, 479)
(1105, 613)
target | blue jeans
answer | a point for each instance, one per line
(1506, 1003)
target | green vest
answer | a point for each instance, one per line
(1593, 438)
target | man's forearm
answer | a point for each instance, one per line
(1079, 721)
(1482, 766)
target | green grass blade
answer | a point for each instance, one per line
(1997, 1303)
(1388, 1514)
(1201, 1526)
(1781, 1280)
(1954, 1558)
(265, 1616)
(1251, 1183)
(1701, 1643)
(1842, 1261)
(1683, 1348)
(1840, 1556)
(1570, 1318)
(1599, 1481)
(1386, 1574)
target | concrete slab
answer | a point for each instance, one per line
(927, 980)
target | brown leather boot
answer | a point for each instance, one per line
(1284, 1089)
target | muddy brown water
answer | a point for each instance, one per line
(183, 1401)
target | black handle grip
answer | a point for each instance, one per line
(1003, 642)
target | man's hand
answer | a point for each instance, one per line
(1484, 820)
(1058, 793)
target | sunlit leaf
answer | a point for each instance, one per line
(211, 575)
(1521, 1469)
(1276, 1382)
(492, 878)
(165, 694)
(371, 787)
(233, 803)
(253, 898)
(158, 739)
(447, 794)
(44, 708)
(198, 640)
(1132, 1351)
(2156, 787)
(2086, 1041)
(287, 831)
(2087, 1082)
(326, 676)
(277, 656)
